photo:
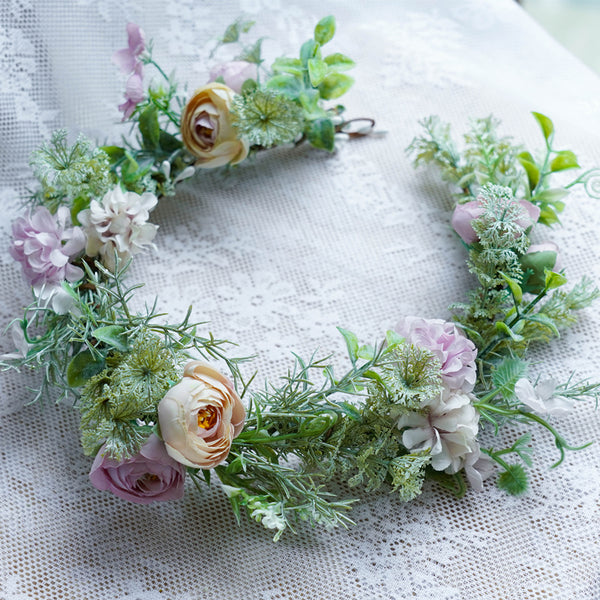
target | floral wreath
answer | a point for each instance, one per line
(416, 406)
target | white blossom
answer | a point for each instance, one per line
(118, 223)
(448, 430)
(542, 399)
(478, 467)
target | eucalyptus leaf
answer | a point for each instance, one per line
(325, 29)
(321, 134)
(288, 65)
(339, 62)
(335, 85)
(287, 84)
(317, 69)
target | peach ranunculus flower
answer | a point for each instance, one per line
(207, 130)
(200, 416)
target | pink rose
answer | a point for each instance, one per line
(234, 73)
(454, 350)
(464, 214)
(148, 476)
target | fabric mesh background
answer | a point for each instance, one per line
(275, 255)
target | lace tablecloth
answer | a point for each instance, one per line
(275, 256)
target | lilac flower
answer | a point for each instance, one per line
(478, 467)
(127, 58)
(448, 429)
(134, 93)
(234, 73)
(149, 476)
(465, 214)
(454, 350)
(542, 399)
(43, 245)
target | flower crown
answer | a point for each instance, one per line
(422, 404)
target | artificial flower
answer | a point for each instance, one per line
(449, 345)
(149, 476)
(134, 93)
(478, 467)
(200, 416)
(465, 214)
(448, 429)
(234, 73)
(43, 244)
(541, 399)
(127, 59)
(118, 224)
(207, 130)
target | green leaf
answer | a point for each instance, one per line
(534, 265)
(309, 49)
(552, 196)
(112, 335)
(506, 374)
(321, 134)
(351, 343)
(288, 65)
(115, 153)
(502, 327)
(565, 159)
(149, 128)
(533, 173)
(546, 125)
(317, 69)
(168, 142)
(253, 54)
(545, 320)
(548, 215)
(339, 62)
(335, 85)
(286, 84)
(513, 480)
(350, 411)
(80, 203)
(249, 86)
(514, 286)
(82, 367)
(325, 30)
(554, 280)
(366, 352)
(393, 338)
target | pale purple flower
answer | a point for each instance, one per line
(149, 476)
(465, 214)
(134, 94)
(478, 467)
(451, 347)
(118, 223)
(43, 244)
(448, 430)
(127, 58)
(234, 73)
(19, 343)
(542, 398)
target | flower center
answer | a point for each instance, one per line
(207, 417)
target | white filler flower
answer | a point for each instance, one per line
(541, 398)
(118, 223)
(448, 430)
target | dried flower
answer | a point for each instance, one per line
(118, 223)
(43, 244)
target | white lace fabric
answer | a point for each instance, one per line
(275, 256)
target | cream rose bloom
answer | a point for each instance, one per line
(206, 128)
(200, 416)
